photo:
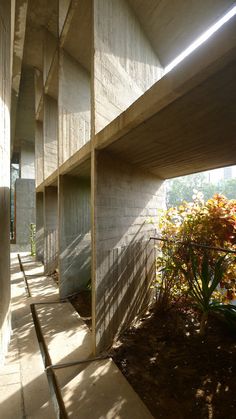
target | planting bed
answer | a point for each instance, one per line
(176, 372)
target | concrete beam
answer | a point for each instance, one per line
(21, 7)
(184, 123)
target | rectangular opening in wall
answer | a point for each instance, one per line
(75, 80)
(75, 232)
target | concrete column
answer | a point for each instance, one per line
(25, 210)
(5, 92)
(50, 229)
(39, 227)
(74, 235)
(123, 258)
(27, 161)
(24, 138)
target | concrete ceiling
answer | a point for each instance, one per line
(79, 43)
(172, 25)
(186, 122)
(41, 14)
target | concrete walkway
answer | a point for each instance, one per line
(95, 389)
(24, 391)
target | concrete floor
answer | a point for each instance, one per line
(24, 391)
(95, 390)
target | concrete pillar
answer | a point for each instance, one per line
(25, 210)
(50, 229)
(74, 235)
(27, 161)
(24, 139)
(5, 93)
(39, 227)
(123, 256)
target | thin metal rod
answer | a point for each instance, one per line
(204, 246)
(51, 302)
(70, 364)
(47, 362)
(24, 275)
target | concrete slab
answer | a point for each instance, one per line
(66, 336)
(41, 286)
(100, 391)
(24, 390)
(10, 384)
(96, 389)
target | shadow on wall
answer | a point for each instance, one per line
(5, 327)
(51, 251)
(125, 258)
(75, 265)
(125, 290)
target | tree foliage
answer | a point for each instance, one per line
(183, 188)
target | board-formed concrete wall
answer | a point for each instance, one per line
(50, 136)
(39, 227)
(74, 235)
(39, 172)
(25, 209)
(125, 199)
(5, 93)
(74, 106)
(125, 65)
(50, 229)
(27, 160)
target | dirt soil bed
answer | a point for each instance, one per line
(177, 373)
(82, 304)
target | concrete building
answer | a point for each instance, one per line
(91, 99)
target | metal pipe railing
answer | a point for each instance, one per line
(188, 244)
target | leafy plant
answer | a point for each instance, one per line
(33, 239)
(203, 280)
(190, 262)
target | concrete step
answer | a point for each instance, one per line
(100, 391)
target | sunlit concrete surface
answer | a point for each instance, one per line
(93, 389)
(24, 388)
